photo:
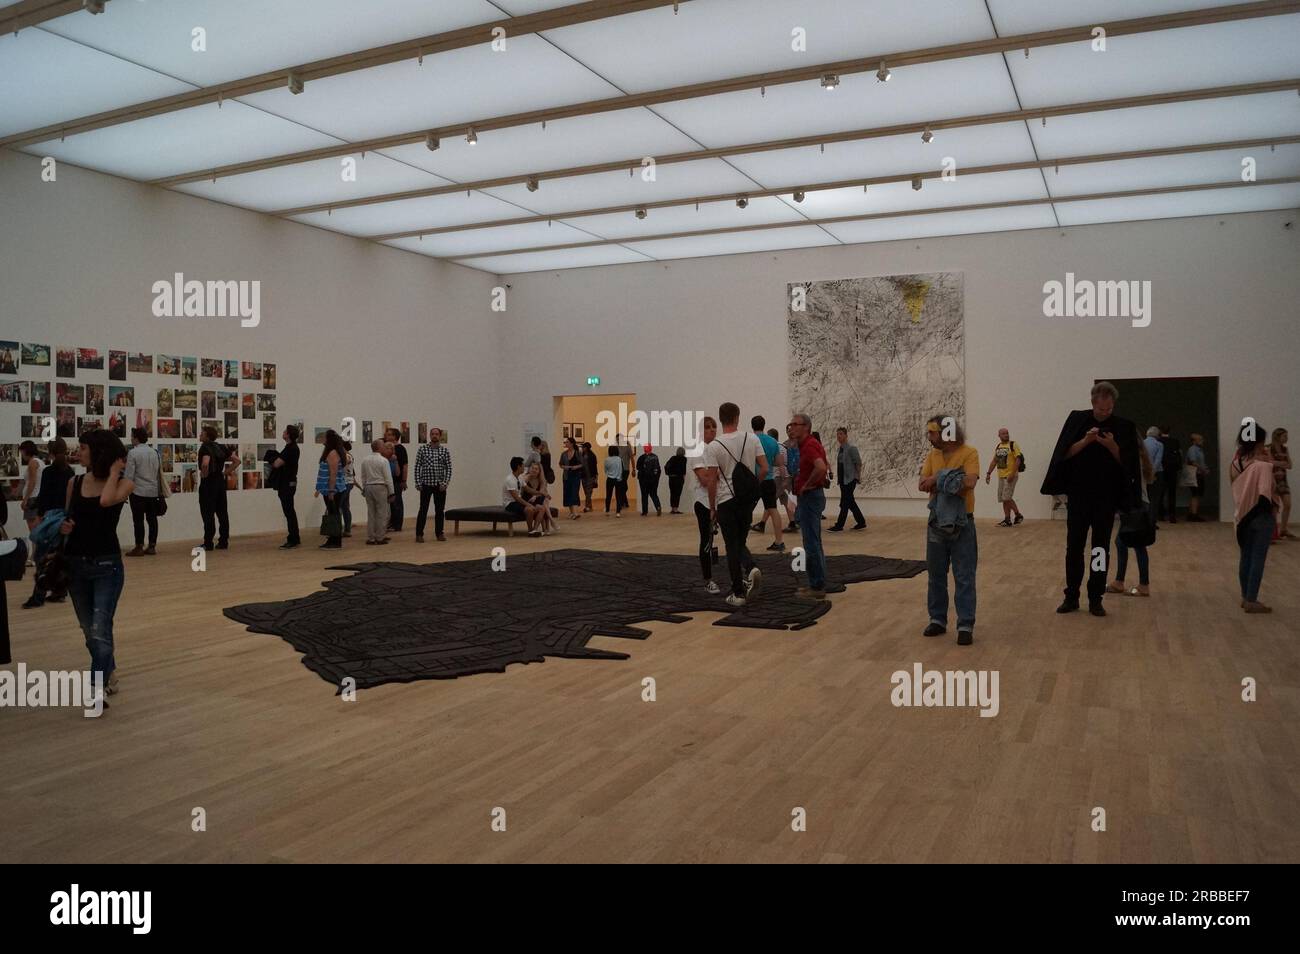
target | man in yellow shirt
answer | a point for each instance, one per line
(1006, 458)
(950, 534)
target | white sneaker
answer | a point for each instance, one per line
(734, 600)
(711, 587)
(753, 582)
(534, 533)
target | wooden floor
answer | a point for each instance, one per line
(1139, 713)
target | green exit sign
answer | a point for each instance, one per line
(593, 381)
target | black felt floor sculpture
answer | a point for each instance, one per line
(399, 622)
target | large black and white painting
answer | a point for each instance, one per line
(879, 356)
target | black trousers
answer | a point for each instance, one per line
(675, 485)
(144, 509)
(334, 504)
(290, 515)
(212, 506)
(706, 539)
(5, 657)
(734, 524)
(849, 505)
(439, 505)
(1171, 493)
(614, 490)
(649, 491)
(1087, 515)
(398, 509)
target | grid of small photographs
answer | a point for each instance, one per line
(52, 390)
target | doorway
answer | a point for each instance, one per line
(1185, 406)
(576, 415)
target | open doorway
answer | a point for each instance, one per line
(1184, 406)
(576, 415)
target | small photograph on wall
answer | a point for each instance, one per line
(268, 376)
(15, 392)
(90, 359)
(232, 374)
(65, 421)
(423, 431)
(37, 355)
(232, 424)
(69, 393)
(40, 397)
(165, 405)
(169, 428)
(208, 403)
(189, 425)
(174, 484)
(87, 424)
(406, 432)
(169, 364)
(139, 363)
(117, 366)
(65, 363)
(119, 396)
(212, 368)
(367, 432)
(578, 430)
(252, 480)
(187, 399)
(250, 371)
(144, 418)
(189, 370)
(268, 428)
(248, 457)
(94, 399)
(227, 400)
(250, 407)
(13, 489)
(320, 434)
(10, 355)
(10, 460)
(189, 478)
(117, 423)
(167, 455)
(266, 402)
(37, 426)
(187, 453)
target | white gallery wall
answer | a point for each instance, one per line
(354, 328)
(690, 334)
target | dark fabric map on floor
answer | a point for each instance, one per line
(399, 622)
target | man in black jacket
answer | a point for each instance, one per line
(1096, 465)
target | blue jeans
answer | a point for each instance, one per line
(95, 583)
(961, 552)
(812, 504)
(1255, 535)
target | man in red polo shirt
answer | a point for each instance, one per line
(810, 488)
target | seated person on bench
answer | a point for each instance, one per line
(513, 500)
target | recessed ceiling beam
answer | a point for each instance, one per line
(553, 19)
(1079, 34)
(847, 184)
(854, 135)
(28, 13)
(839, 219)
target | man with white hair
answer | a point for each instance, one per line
(1155, 451)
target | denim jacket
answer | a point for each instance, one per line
(947, 506)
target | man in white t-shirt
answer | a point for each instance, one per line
(512, 497)
(730, 448)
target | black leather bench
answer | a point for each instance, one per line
(492, 515)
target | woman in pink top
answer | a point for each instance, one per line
(1255, 501)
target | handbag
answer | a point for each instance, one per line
(1136, 528)
(13, 559)
(331, 524)
(1189, 476)
(1020, 460)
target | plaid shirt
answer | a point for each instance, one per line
(432, 466)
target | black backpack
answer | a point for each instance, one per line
(743, 483)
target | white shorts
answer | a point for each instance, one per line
(1007, 488)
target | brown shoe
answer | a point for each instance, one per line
(135, 551)
(808, 593)
(150, 551)
(441, 539)
(1115, 586)
(419, 538)
(1258, 608)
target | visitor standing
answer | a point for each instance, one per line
(285, 471)
(398, 515)
(703, 514)
(213, 468)
(735, 463)
(1007, 459)
(590, 475)
(949, 475)
(432, 477)
(1154, 488)
(647, 477)
(572, 466)
(811, 481)
(375, 475)
(1281, 465)
(848, 472)
(53, 495)
(613, 481)
(1139, 547)
(1196, 458)
(144, 471)
(676, 471)
(1255, 501)
(767, 489)
(32, 465)
(1171, 466)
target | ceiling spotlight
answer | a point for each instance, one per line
(641, 213)
(830, 81)
(916, 183)
(883, 73)
(471, 137)
(295, 83)
(742, 202)
(798, 195)
(927, 137)
(432, 142)
(532, 183)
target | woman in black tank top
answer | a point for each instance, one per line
(94, 556)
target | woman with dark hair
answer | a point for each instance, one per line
(349, 480)
(55, 478)
(32, 467)
(144, 470)
(590, 468)
(331, 482)
(1255, 499)
(614, 481)
(213, 468)
(572, 464)
(95, 573)
(285, 468)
